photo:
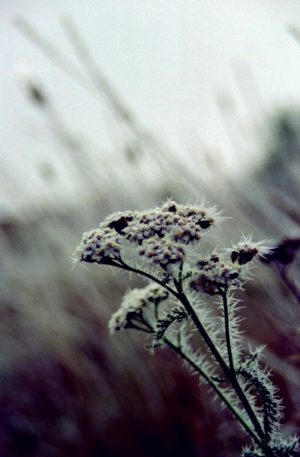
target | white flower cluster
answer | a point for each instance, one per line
(134, 303)
(215, 273)
(160, 234)
(98, 245)
(181, 223)
(228, 269)
(162, 252)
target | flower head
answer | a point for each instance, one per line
(246, 250)
(158, 234)
(214, 275)
(98, 246)
(162, 252)
(134, 304)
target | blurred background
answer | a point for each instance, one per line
(117, 105)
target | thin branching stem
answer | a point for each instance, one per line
(208, 379)
(231, 377)
(125, 266)
(180, 295)
(214, 386)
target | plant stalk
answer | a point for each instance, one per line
(260, 437)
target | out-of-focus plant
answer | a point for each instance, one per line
(193, 291)
(280, 174)
(283, 257)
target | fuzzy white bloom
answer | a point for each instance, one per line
(97, 246)
(180, 223)
(213, 273)
(162, 252)
(172, 226)
(134, 304)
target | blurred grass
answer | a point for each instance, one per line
(67, 387)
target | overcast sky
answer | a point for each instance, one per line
(171, 61)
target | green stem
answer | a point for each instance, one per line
(125, 266)
(208, 379)
(180, 295)
(231, 378)
(216, 389)
(227, 330)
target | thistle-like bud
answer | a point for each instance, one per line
(246, 250)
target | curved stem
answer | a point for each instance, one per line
(127, 267)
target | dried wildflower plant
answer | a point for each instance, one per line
(190, 291)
